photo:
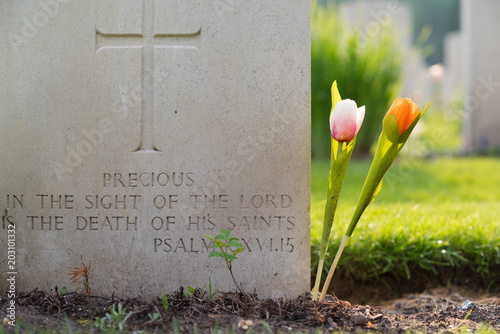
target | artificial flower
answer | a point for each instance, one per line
(345, 120)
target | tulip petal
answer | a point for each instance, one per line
(404, 136)
(360, 118)
(405, 111)
(343, 120)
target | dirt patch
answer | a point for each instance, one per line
(390, 286)
(430, 311)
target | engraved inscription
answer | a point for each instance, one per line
(192, 245)
(166, 210)
(147, 179)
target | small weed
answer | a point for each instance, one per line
(164, 300)
(84, 322)
(81, 278)
(114, 320)
(175, 326)
(211, 295)
(68, 325)
(224, 242)
(155, 317)
(191, 290)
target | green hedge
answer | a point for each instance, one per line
(367, 69)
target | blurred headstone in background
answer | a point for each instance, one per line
(453, 62)
(481, 28)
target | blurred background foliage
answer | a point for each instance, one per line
(368, 71)
(442, 15)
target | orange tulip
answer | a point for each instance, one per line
(405, 111)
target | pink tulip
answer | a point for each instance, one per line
(345, 120)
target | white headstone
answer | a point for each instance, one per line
(453, 61)
(370, 17)
(131, 129)
(481, 29)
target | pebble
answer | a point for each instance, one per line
(332, 323)
(245, 324)
(359, 319)
(467, 305)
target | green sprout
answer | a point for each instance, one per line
(229, 248)
(210, 295)
(114, 320)
(164, 301)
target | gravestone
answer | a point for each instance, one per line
(453, 61)
(370, 17)
(131, 129)
(481, 29)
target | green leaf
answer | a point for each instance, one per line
(335, 150)
(219, 243)
(377, 190)
(228, 256)
(338, 168)
(390, 128)
(335, 98)
(164, 300)
(239, 250)
(234, 243)
(385, 154)
(335, 95)
(215, 254)
(225, 233)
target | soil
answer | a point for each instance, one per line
(437, 310)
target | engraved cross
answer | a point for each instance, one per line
(149, 40)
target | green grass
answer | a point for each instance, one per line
(431, 213)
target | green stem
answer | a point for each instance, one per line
(318, 279)
(230, 268)
(332, 269)
(340, 156)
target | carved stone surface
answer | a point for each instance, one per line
(132, 129)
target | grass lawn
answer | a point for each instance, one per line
(432, 214)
